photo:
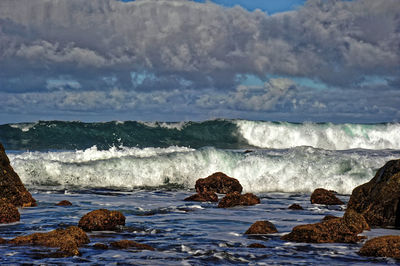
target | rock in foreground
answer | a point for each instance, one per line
(68, 240)
(236, 199)
(101, 220)
(203, 197)
(261, 227)
(383, 246)
(379, 199)
(218, 183)
(326, 197)
(8, 213)
(124, 244)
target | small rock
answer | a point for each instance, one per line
(235, 199)
(203, 197)
(64, 203)
(295, 206)
(2, 241)
(101, 220)
(256, 245)
(261, 227)
(218, 183)
(383, 246)
(326, 197)
(100, 246)
(124, 244)
(8, 213)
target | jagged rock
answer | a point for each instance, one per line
(8, 213)
(100, 246)
(323, 196)
(329, 217)
(256, 245)
(336, 230)
(11, 188)
(101, 220)
(203, 197)
(68, 240)
(379, 199)
(218, 183)
(295, 206)
(383, 246)
(124, 244)
(64, 203)
(261, 227)
(236, 199)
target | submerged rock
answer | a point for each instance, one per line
(256, 245)
(68, 240)
(124, 244)
(295, 206)
(203, 197)
(100, 246)
(236, 199)
(64, 203)
(335, 230)
(261, 227)
(218, 183)
(326, 197)
(101, 220)
(8, 213)
(383, 246)
(11, 188)
(379, 199)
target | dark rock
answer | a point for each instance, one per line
(383, 246)
(8, 213)
(100, 246)
(261, 227)
(11, 188)
(203, 197)
(329, 217)
(101, 220)
(326, 197)
(336, 230)
(295, 206)
(379, 199)
(124, 244)
(68, 240)
(218, 183)
(256, 245)
(236, 199)
(2, 241)
(64, 203)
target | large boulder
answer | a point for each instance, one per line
(203, 197)
(8, 213)
(326, 197)
(68, 240)
(124, 244)
(218, 183)
(101, 220)
(379, 199)
(236, 199)
(383, 246)
(11, 188)
(336, 230)
(261, 227)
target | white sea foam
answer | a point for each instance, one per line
(325, 136)
(24, 127)
(167, 125)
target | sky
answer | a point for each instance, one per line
(177, 60)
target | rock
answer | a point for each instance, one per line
(379, 199)
(235, 199)
(218, 183)
(336, 230)
(8, 213)
(256, 245)
(261, 227)
(295, 206)
(203, 197)
(124, 244)
(2, 241)
(101, 220)
(68, 240)
(64, 203)
(100, 246)
(329, 217)
(326, 197)
(383, 246)
(11, 188)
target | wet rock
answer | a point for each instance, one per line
(64, 203)
(383, 246)
(336, 230)
(295, 206)
(329, 217)
(203, 197)
(256, 245)
(11, 188)
(124, 244)
(8, 213)
(2, 241)
(236, 199)
(100, 246)
(379, 199)
(326, 197)
(68, 240)
(261, 227)
(101, 220)
(218, 183)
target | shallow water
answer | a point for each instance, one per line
(185, 233)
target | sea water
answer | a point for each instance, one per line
(145, 170)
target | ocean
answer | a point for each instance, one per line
(145, 170)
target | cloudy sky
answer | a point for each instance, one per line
(174, 60)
